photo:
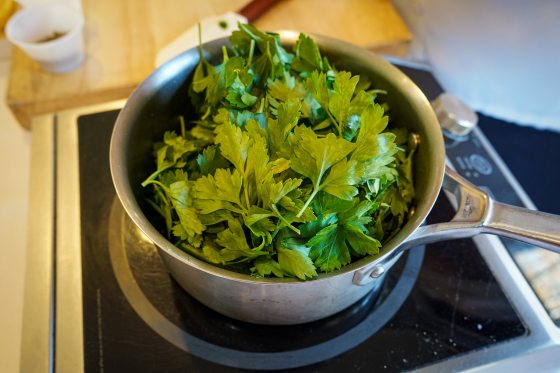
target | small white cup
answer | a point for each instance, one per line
(32, 27)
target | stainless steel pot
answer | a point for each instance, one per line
(150, 111)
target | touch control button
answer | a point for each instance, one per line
(481, 164)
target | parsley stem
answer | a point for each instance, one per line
(207, 113)
(261, 106)
(183, 129)
(200, 41)
(225, 53)
(155, 174)
(245, 191)
(283, 220)
(248, 204)
(251, 51)
(306, 205)
(336, 124)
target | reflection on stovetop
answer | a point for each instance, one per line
(455, 304)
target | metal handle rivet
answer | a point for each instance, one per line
(377, 271)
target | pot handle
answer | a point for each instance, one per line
(476, 213)
(530, 226)
(533, 227)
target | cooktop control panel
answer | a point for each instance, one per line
(472, 156)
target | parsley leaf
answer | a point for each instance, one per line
(182, 202)
(313, 156)
(170, 153)
(332, 246)
(219, 191)
(328, 248)
(265, 266)
(210, 160)
(308, 58)
(234, 243)
(343, 90)
(295, 261)
(288, 114)
(342, 180)
(234, 144)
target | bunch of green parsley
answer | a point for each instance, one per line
(289, 168)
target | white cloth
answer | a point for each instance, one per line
(502, 57)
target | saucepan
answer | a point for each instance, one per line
(157, 101)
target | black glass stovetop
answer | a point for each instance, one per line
(436, 303)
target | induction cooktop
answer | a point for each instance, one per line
(102, 301)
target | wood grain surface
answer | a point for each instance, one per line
(122, 38)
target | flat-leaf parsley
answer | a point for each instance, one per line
(289, 169)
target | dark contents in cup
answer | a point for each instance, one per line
(53, 36)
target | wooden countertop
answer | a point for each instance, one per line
(122, 38)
